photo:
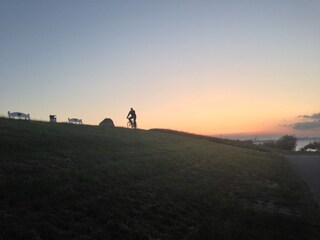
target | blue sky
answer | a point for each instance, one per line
(199, 66)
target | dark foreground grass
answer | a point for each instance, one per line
(60, 181)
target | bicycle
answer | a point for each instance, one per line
(131, 124)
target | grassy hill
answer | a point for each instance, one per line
(60, 181)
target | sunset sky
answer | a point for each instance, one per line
(208, 67)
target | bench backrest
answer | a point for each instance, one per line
(75, 120)
(18, 115)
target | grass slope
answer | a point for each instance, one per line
(60, 181)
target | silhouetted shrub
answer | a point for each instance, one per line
(313, 145)
(287, 142)
(270, 143)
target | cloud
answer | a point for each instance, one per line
(315, 116)
(306, 125)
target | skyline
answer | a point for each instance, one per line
(206, 67)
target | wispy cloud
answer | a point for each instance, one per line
(311, 122)
(315, 116)
(306, 125)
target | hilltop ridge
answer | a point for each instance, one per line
(64, 181)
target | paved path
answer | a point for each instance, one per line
(309, 169)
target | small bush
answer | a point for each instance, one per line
(270, 143)
(313, 145)
(287, 142)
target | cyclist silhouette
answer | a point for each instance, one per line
(132, 118)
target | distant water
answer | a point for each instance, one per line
(301, 142)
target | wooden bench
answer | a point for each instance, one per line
(75, 120)
(18, 115)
